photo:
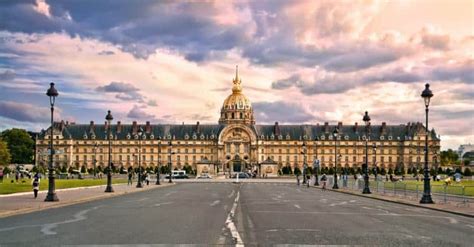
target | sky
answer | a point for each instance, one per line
(301, 62)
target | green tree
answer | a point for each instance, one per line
(20, 144)
(5, 157)
(467, 172)
(449, 157)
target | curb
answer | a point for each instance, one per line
(86, 199)
(404, 203)
(58, 190)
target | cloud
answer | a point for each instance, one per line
(125, 91)
(138, 113)
(106, 53)
(434, 40)
(269, 112)
(7, 75)
(152, 103)
(24, 112)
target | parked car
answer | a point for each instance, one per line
(241, 175)
(204, 176)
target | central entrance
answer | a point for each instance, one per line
(237, 164)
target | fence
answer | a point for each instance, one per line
(453, 194)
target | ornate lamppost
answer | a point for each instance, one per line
(374, 147)
(52, 93)
(366, 120)
(95, 158)
(304, 162)
(109, 119)
(140, 134)
(169, 161)
(316, 162)
(426, 95)
(159, 162)
(335, 134)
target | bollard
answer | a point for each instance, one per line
(405, 190)
(445, 188)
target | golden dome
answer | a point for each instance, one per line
(236, 107)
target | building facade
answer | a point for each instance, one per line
(237, 143)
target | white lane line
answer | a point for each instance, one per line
(352, 201)
(471, 226)
(230, 223)
(293, 230)
(231, 194)
(143, 199)
(163, 203)
(214, 203)
(169, 193)
(297, 206)
(337, 204)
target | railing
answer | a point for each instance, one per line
(458, 195)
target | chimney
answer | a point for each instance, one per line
(92, 126)
(356, 126)
(276, 129)
(384, 128)
(198, 129)
(134, 128)
(326, 127)
(119, 127)
(147, 127)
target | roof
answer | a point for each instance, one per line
(211, 131)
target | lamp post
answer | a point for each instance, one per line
(366, 120)
(140, 133)
(374, 147)
(335, 133)
(109, 119)
(316, 161)
(95, 158)
(304, 162)
(426, 95)
(52, 93)
(169, 160)
(159, 162)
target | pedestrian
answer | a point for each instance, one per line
(307, 180)
(147, 179)
(35, 184)
(130, 176)
(17, 176)
(386, 177)
(1, 177)
(298, 180)
(323, 180)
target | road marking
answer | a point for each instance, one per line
(352, 201)
(230, 223)
(337, 204)
(297, 206)
(46, 229)
(471, 226)
(163, 203)
(294, 230)
(169, 193)
(214, 203)
(231, 194)
(143, 199)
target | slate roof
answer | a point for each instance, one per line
(211, 131)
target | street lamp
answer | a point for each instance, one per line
(169, 160)
(109, 119)
(316, 161)
(304, 162)
(335, 133)
(374, 147)
(140, 133)
(426, 95)
(366, 120)
(95, 158)
(159, 162)
(52, 93)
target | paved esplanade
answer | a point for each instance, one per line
(265, 214)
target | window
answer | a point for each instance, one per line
(128, 158)
(120, 157)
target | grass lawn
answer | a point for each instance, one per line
(8, 188)
(437, 187)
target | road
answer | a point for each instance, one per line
(247, 214)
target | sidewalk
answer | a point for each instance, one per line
(21, 203)
(443, 207)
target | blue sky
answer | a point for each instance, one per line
(300, 61)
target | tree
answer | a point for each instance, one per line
(449, 157)
(5, 157)
(467, 172)
(20, 144)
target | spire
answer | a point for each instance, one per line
(237, 88)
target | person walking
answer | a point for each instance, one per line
(323, 180)
(147, 179)
(35, 184)
(130, 176)
(298, 180)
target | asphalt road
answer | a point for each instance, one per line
(244, 214)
